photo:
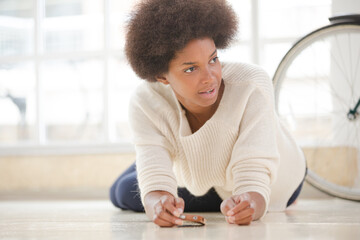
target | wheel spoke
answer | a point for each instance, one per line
(342, 60)
(352, 78)
(350, 58)
(333, 92)
(357, 67)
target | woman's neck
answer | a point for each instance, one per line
(198, 119)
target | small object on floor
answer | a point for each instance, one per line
(192, 220)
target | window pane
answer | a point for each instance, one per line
(73, 25)
(282, 22)
(236, 53)
(72, 100)
(272, 54)
(123, 81)
(17, 103)
(119, 13)
(243, 11)
(16, 27)
(283, 18)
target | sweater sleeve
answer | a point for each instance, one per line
(154, 170)
(255, 157)
(153, 150)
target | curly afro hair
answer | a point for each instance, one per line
(159, 28)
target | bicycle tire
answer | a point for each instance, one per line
(278, 80)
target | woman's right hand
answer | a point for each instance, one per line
(163, 208)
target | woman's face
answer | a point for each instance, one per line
(195, 75)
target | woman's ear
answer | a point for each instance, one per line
(162, 79)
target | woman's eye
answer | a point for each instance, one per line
(214, 60)
(189, 70)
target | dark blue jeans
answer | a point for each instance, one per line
(125, 194)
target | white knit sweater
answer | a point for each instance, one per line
(242, 148)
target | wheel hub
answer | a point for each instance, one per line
(353, 114)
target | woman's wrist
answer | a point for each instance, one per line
(257, 202)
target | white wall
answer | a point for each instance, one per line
(345, 6)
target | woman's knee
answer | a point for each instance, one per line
(125, 193)
(113, 193)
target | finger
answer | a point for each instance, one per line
(244, 221)
(229, 220)
(158, 209)
(227, 205)
(243, 197)
(163, 218)
(167, 217)
(180, 205)
(243, 215)
(169, 205)
(240, 216)
(238, 208)
(162, 223)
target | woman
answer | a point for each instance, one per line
(206, 134)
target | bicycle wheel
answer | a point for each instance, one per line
(317, 91)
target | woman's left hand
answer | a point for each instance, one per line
(244, 208)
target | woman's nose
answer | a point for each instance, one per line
(207, 76)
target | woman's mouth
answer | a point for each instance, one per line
(208, 93)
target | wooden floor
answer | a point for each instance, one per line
(328, 218)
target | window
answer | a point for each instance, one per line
(64, 80)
